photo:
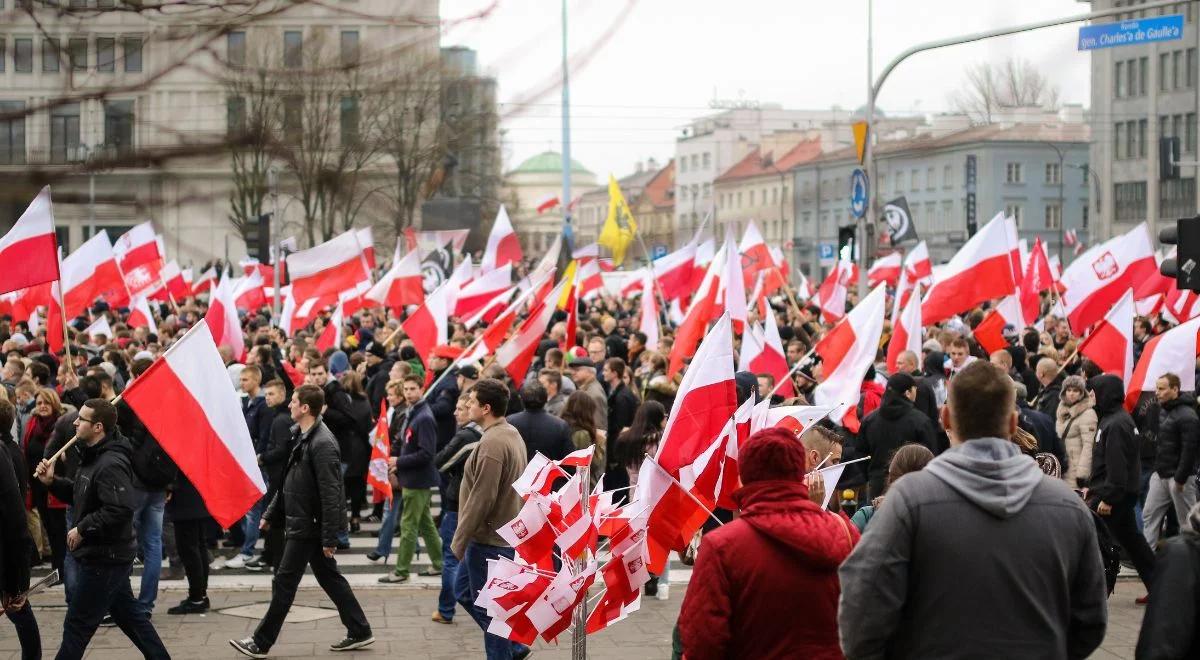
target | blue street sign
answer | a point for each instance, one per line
(858, 193)
(658, 251)
(1129, 33)
(826, 252)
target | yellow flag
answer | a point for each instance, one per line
(568, 276)
(613, 235)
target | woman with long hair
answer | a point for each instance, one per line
(360, 449)
(640, 439)
(36, 435)
(579, 413)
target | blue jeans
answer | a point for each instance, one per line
(250, 523)
(387, 528)
(70, 573)
(100, 589)
(446, 600)
(468, 582)
(27, 632)
(148, 526)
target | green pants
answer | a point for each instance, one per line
(416, 518)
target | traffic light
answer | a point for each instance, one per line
(1168, 157)
(846, 240)
(258, 238)
(1184, 267)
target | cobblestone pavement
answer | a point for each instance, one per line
(400, 618)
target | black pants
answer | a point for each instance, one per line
(1123, 525)
(356, 490)
(193, 552)
(101, 589)
(296, 554)
(27, 632)
(55, 522)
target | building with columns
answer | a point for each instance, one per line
(533, 181)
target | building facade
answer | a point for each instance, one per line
(471, 123)
(591, 209)
(533, 181)
(759, 187)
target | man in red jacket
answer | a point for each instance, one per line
(783, 548)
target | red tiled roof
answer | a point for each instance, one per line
(757, 164)
(660, 190)
(1058, 133)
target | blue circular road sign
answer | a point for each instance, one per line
(858, 193)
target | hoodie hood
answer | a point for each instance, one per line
(1110, 393)
(894, 405)
(782, 511)
(990, 473)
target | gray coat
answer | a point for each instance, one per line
(979, 555)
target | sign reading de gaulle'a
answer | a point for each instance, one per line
(1129, 33)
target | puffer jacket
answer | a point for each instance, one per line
(1076, 426)
(312, 503)
(781, 545)
(1116, 462)
(1178, 427)
(103, 496)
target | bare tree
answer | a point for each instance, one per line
(414, 139)
(1015, 83)
(253, 109)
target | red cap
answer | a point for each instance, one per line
(446, 351)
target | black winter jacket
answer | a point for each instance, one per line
(453, 459)
(1042, 427)
(415, 446)
(543, 432)
(442, 400)
(622, 405)
(186, 503)
(1116, 465)
(895, 424)
(360, 445)
(339, 417)
(279, 446)
(103, 496)
(14, 534)
(1047, 399)
(1178, 427)
(1172, 620)
(312, 502)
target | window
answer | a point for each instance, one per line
(132, 48)
(1012, 173)
(118, 126)
(683, 164)
(695, 161)
(12, 134)
(1164, 71)
(1053, 216)
(751, 198)
(78, 54)
(1143, 74)
(1013, 211)
(50, 55)
(1119, 79)
(235, 114)
(900, 181)
(349, 121)
(1053, 174)
(1189, 133)
(64, 133)
(1119, 140)
(1178, 198)
(1131, 73)
(1129, 201)
(1083, 203)
(774, 195)
(707, 160)
(293, 49)
(23, 55)
(105, 4)
(916, 180)
(947, 177)
(707, 189)
(349, 53)
(930, 179)
(1130, 139)
(235, 49)
(806, 217)
(3, 50)
(1191, 68)
(739, 200)
(106, 55)
(1177, 69)
(1141, 138)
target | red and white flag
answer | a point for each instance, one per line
(547, 202)
(491, 311)
(674, 271)
(213, 449)
(771, 358)
(99, 328)
(1099, 277)
(516, 354)
(331, 335)
(1037, 278)
(553, 610)
(705, 401)
(248, 292)
(381, 449)
(981, 270)
(503, 247)
(706, 253)
(530, 533)
(990, 332)
(672, 514)
(1174, 351)
(623, 576)
(174, 281)
(137, 247)
(755, 256)
(796, 419)
(906, 332)
(329, 268)
(428, 327)
(1110, 344)
(91, 272)
(831, 296)
(699, 313)
(366, 242)
(140, 315)
(885, 269)
(510, 590)
(649, 312)
(482, 290)
(402, 285)
(846, 353)
(734, 288)
(204, 281)
(539, 476)
(222, 319)
(590, 281)
(29, 251)
(918, 269)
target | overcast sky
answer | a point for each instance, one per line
(664, 60)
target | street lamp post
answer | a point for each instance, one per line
(1061, 210)
(1097, 183)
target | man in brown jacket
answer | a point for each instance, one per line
(487, 501)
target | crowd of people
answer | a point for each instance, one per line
(1014, 478)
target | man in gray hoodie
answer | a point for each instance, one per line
(979, 555)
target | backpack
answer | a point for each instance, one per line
(1110, 552)
(153, 467)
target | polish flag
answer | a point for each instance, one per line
(91, 272)
(482, 290)
(428, 326)
(623, 576)
(137, 247)
(1099, 277)
(752, 345)
(503, 248)
(590, 279)
(331, 335)
(832, 294)
(885, 269)
(772, 359)
(327, 269)
(906, 332)
(381, 449)
(539, 476)
(734, 287)
(463, 273)
(490, 311)
(401, 286)
(530, 533)
(705, 401)
(143, 279)
(846, 353)
(755, 256)
(982, 270)
(553, 610)
(796, 419)
(222, 319)
(213, 449)
(140, 315)
(706, 252)
(1014, 248)
(175, 283)
(673, 514)
(546, 203)
(691, 329)
(674, 271)
(248, 292)
(649, 312)
(99, 328)
(516, 354)
(1174, 351)
(1181, 305)
(990, 332)
(1152, 291)
(204, 282)
(918, 269)
(714, 476)
(366, 241)
(1110, 344)
(804, 288)
(1037, 278)
(510, 590)
(29, 251)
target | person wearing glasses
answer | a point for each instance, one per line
(102, 540)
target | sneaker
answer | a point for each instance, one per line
(351, 643)
(107, 621)
(354, 527)
(238, 561)
(376, 558)
(248, 648)
(438, 618)
(373, 519)
(430, 572)
(651, 588)
(393, 578)
(217, 564)
(664, 591)
(191, 607)
(256, 564)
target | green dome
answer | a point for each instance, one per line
(548, 161)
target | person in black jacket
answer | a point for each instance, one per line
(1172, 482)
(444, 395)
(14, 539)
(311, 508)
(360, 446)
(272, 460)
(622, 403)
(102, 539)
(1041, 427)
(413, 449)
(1169, 629)
(1113, 488)
(1050, 378)
(451, 462)
(338, 418)
(541, 431)
(895, 424)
